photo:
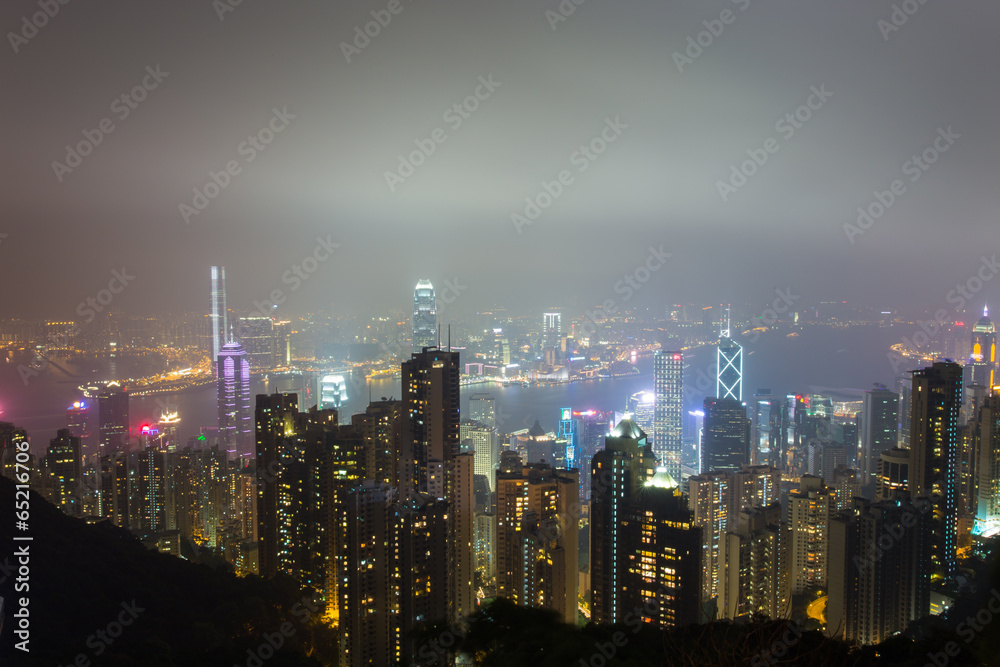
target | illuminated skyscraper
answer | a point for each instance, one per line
(483, 409)
(112, 406)
(233, 383)
(984, 351)
(879, 421)
(78, 421)
(668, 404)
(810, 508)
(934, 450)
(275, 419)
(218, 313)
(726, 443)
(616, 472)
(729, 357)
(63, 463)
(424, 316)
(640, 406)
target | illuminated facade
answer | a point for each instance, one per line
(984, 351)
(332, 391)
(755, 577)
(616, 472)
(78, 421)
(810, 508)
(664, 556)
(256, 334)
(537, 535)
(218, 312)
(934, 453)
(668, 404)
(424, 316)
(766, 421)
(729, 362)
(483, 409)
(879, 424)
(63, 462)
(711, 501)
(233, 387)
(726, 441)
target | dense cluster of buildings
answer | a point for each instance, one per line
(409, 514)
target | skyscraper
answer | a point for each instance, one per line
(879, 422)
(668, 404)
(755, 574)
(986, 432)
(625, 463)
(424, 316)
(112, 407)
(934, 444)
(218, 314)
(432, 462)
(233, 385)
(763, 441)
(984, 351)
(483, 409)
(876, 592)
(729, 360)
(275, 423)
(810, 508)
(712, 503)
(726, 443)
(63, 463)
(537, 535)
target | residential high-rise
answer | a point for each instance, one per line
(218, 312)
(984, 351)
(151, 488)
(934, 451)
(810, 508)
(433, 464)
(63, 462)
(425, 324)
(729, 357)
(755, 572)
(668, 409)
(879, 424)
(236, 432)
(663, 547)
(112, 407)
(876, 591)
(625, 463)
(726, 441)
(712, 504)
(275, 424)
(986, 435)
(483, 409)
(893, 475)
(537, 535)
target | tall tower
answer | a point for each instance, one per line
(810, 508)
(63, 462)
(233, 382)
(424, 316)
(112, 407)
(879, 423)
(729, 358)
(726, 444)
(432, 462)
(218, 314)
(984, 351)
(275, 419)
(934, 442)
(668, 403)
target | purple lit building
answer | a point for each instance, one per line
(235, 414)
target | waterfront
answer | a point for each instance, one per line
(842, 362)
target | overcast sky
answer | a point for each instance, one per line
(678, 128)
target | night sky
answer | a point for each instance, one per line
(676, 119)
